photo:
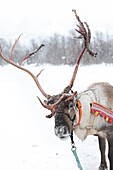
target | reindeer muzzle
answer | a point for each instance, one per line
(62, 132)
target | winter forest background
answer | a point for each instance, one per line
(60, 49)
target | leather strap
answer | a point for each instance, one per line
(80, 113)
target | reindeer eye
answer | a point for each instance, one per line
(71, 105)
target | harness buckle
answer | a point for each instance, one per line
(73, 147)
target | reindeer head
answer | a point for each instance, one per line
(64, 106)
(65, 116)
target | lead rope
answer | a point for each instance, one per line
(73, 149)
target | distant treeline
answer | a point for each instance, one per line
(61, 49)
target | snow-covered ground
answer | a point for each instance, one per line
(27, 139)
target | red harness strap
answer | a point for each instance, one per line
(80, 113)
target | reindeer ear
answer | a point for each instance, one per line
(77, 97)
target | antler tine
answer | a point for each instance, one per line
(89, 32)
(93, 54)
(16, 41)
(70, 97)
(87, 36)
(78, 37)
(54, 106)
(22, 68)
(80, 22)
(25, 58)
(32, 53)
(49, 107)
(83, 33)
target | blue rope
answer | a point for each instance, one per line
(74, 151)
(76, 157)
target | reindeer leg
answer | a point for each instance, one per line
(110, 152)
(102, 147)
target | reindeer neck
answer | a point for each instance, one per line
(86, 123)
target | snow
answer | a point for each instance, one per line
(27, 139)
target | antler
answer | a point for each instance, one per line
(86, 35)
(22, 68)
(54, 106)
(32, 53)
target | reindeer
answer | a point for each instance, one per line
(71, 110)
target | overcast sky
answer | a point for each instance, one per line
(36, 18)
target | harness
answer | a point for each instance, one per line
(80, 112)
(95, 109)
(80, 115)
(71, 136)
(104, 112)
(73, 149)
